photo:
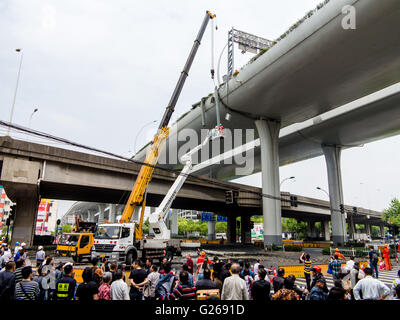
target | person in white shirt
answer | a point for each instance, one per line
(370, 288)
(150, 283)
(40, 256)
(234, 287)
(350, 264)
(119, 289)
(256, 266)
(7, 255)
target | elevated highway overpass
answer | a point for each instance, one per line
(29, 171)
(317, 68)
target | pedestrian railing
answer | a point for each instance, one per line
(349, 252)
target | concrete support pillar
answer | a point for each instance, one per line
(311, 229)
(25, 220)
(174, 222)
(90, 216)
(268, 132)
(102, 208)
(113, 213)
(332, 158)
(352, 228)
(245, 231)
(327, 232)
(212, 227)
(368, 229)
(152, 210)
(382, 229)
(231, 229)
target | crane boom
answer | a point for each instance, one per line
(144, 177)
(156, 219)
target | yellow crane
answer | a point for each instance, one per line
(143, 179)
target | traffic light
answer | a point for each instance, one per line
(341, 208)
(229, 197)
(11, 213)
(355, 210)
(251, 224)
(199, 216)
(293, 201)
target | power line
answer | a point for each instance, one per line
(188, 175)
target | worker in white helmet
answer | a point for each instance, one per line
(40, 255)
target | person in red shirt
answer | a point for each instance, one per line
(189, 263)
(340, 256)
(386, 256)
(200, 264)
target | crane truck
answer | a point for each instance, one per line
(124, 241)
(78, 243)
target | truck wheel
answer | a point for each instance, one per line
(130, 257)
(170, 256)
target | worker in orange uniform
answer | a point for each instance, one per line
(340, 256)
(386, 256)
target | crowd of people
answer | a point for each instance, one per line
(212, 279)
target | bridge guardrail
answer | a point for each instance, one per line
(298, 270)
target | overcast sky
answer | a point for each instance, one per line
(100, 70)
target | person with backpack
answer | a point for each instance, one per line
(27, 289)
(151, 282)
(166, 284)
(7, 282)
(373, 261)
(336, 267)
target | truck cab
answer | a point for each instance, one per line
(117, 242)
(77, 245)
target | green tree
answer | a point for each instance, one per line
(392, 214)
(66, 228)
(146, 227)
(293, 225)
(221, 227)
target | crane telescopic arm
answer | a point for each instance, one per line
(144, 177)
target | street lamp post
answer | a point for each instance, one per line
(30, 118)
(319, 188)
(16, 88)
(286, 180)
(134, 146)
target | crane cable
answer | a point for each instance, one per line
(212, 50)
